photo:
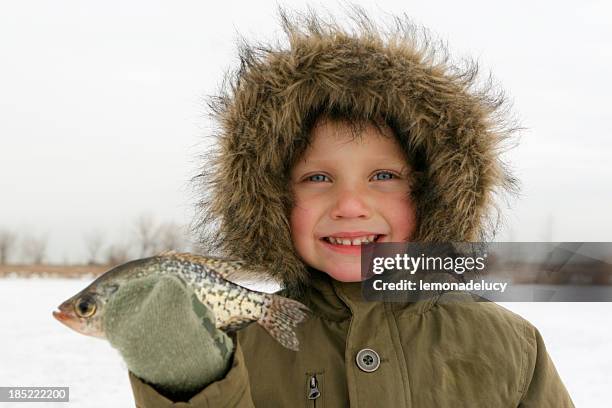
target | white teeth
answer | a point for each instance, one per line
(352, 241)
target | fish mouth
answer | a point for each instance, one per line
(60, 316)
(64, 318)
(63, 312)
(65, 315)
(76, 324)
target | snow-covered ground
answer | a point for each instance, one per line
(35, 350)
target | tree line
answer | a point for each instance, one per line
(146, 237)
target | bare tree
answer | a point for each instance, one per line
(117, 254)
(34, 249)
(170, 236)
(93, 242)
(146, 235)
(7, 243)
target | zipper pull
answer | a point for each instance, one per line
(313, 390)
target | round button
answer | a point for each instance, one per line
(367, 360)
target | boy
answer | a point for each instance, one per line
(345, 138)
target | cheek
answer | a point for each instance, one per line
(401, 214)
(302, 223)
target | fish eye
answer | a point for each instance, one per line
(85, 307)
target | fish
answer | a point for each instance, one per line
(233, 306)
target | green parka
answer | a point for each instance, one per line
(438, 352)
(433, 353)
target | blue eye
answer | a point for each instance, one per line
(317, 177)
(388, 175)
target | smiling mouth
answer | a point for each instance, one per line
(352, 241)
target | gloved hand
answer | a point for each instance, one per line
(166, 336)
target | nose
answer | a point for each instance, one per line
(351, 203)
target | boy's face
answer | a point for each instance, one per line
(349, 189)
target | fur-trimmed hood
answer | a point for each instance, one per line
(442, 117)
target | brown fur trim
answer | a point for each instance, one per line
(441, 114)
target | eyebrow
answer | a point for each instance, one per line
(381, 159)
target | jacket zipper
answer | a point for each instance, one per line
(313, 389)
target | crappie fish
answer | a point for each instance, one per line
(234, 306)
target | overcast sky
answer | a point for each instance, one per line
(102, 112)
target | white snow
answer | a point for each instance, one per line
(35, 350)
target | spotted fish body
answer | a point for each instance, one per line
(233, 306)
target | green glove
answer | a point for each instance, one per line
(166, 335)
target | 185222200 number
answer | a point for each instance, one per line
(47, 394)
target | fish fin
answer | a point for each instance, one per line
(235, 324)
(167, 252)
(280, 316)
(226, 268)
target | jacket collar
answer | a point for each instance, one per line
(323, 298)
(337, 301)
